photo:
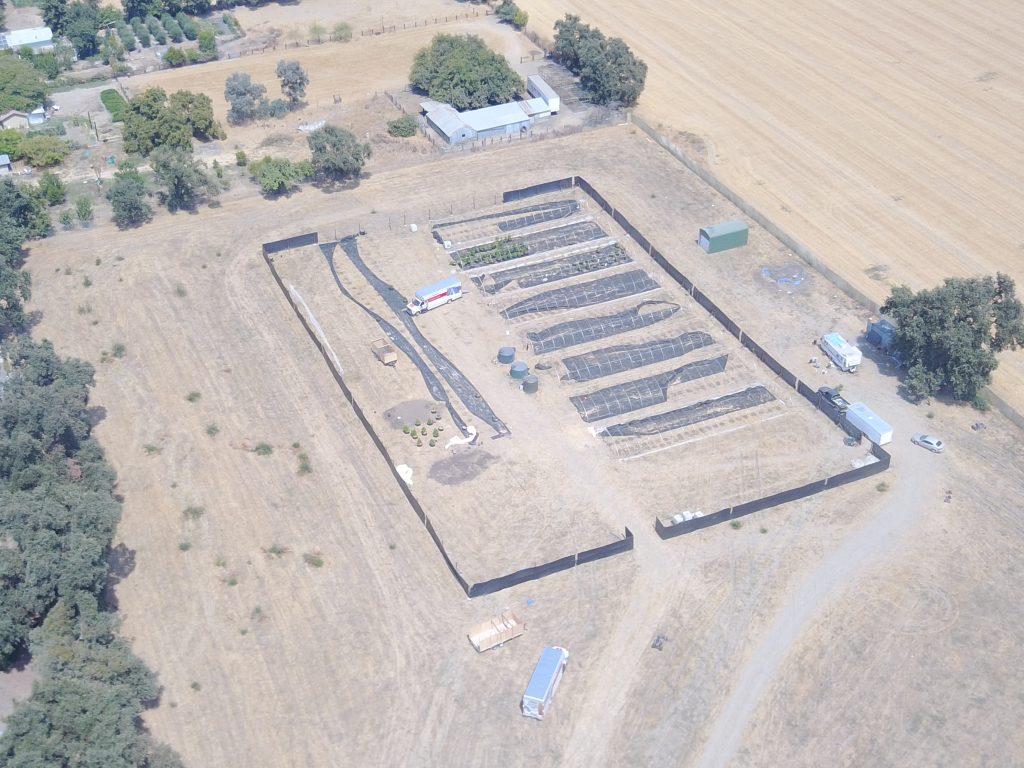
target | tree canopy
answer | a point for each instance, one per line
(22, 86)
(81, 26)
(58, 514)
(608, 69)
(293, 80)
(152, 120)
(462, 71)
(949, 336)
(336, 153)
(278, 175)
(243, 97)
(184, 179)
(127, 196)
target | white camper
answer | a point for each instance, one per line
(546, 677)
(870, 424)
(841, 352)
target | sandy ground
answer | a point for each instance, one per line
(886, 138)
(260, 653)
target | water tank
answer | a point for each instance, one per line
(506, 355)
(530, 384)
(518, 370)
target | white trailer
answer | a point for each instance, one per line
(871, 425)
(546, 677)
(841, 352)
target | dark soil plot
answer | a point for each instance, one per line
(531, 275)
(584, 294)
(509, 248)
(574, 332)
(691, 414)
(563, 211)
(555, 209)
(634, 395)
(612, 360)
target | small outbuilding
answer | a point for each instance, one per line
(5, 165)
(722, 237)
(13, 119)
(538, 87)
(37, 116)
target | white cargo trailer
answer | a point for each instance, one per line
(546, 677)
(841, 352)
(870, 424)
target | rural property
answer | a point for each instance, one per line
(532, 421)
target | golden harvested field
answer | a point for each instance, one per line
(888, 138)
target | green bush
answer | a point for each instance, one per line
(115, 104)
(403, 126)
(175, 57)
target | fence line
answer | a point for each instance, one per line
(755, 505)
(475, 590)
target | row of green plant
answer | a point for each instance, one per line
(502, 249)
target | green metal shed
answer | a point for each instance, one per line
(722, 237)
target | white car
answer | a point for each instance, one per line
(930, 442)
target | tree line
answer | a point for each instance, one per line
(607, 68)
(58, 515)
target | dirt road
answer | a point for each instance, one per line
(874, 541)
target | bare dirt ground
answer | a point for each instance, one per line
(260, 653)
(524, 508)
(886, 138)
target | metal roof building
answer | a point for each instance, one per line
(36, 38)
(538, 86)
(499, 120)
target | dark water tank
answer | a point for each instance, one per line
(506, 355)
(518, 370)
(530, 384)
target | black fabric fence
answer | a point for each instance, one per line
(537, 189)
(311, 238)
(782, 497)
(476, 590)
(413, 502)
(562, 564)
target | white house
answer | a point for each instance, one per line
(36, 38)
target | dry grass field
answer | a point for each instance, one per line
(888, 138)
(268, 660)
(306, 619)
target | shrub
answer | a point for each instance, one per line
(193, 396)
(157, 31)
(175, 57)
(52, 189)
(263, 449)
(342, 31)
(241, 160)
(172, 28)
(212, 430)
(403, 126)
(83, 209)
(44, 151)
(188, 26)
(314, 559)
